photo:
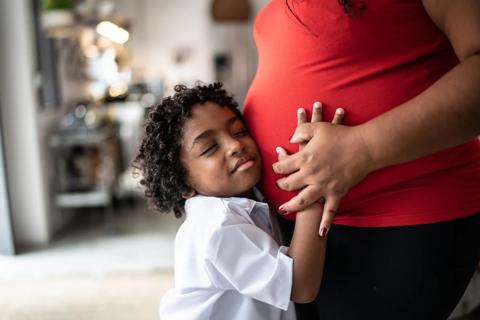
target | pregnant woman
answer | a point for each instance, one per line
(401, 179)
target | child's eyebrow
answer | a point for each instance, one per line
(205, 134)
(231, 120)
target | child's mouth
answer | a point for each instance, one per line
(243, 165)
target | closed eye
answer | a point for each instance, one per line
(241, 133)
(209, 149)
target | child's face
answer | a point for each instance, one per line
(220, 156)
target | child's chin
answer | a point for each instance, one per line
(249, 188)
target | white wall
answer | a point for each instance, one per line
(19, 126)
(159, 27)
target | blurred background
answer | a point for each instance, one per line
(76, 76)
(77, 240)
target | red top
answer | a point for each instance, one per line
(367, 64)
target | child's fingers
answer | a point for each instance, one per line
(301, 116)
(317, 112)
(338, 117)
(281, 153)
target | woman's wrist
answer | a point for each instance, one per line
(370, 157)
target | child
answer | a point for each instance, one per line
(198, 158)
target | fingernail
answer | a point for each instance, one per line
(323, 232)
(301, 110)
(282, 210)
(278, 150)
(340, 111)
(317, 105)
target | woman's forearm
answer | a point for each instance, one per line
(307, 250)
(444, 115)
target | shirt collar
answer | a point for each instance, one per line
(245, 203)
(250, 204)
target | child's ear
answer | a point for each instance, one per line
(188, 194)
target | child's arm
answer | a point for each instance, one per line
(307, 250)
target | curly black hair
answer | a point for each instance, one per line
(158, 158)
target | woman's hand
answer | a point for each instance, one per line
(332, 159)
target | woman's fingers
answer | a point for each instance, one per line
(338, 117)
(303, 132)
(281, 153)
(291, 165)
(293, 182)
(317, 112)
(301, 119)
(287, 165)
(301, 116)
(301, 201)
(329, 210)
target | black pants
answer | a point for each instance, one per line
(414, 272)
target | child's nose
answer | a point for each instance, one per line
(234, 147)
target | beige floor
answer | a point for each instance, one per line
(91, 274)
(116, 297)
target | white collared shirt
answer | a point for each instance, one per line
(228, 265)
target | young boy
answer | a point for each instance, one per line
(197, 157)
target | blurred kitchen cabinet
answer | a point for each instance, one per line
(87, 163)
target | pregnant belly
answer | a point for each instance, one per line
(410, 181)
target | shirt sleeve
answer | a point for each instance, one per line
(246, 259)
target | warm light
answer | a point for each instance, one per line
(118, 89)
(112, 32)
